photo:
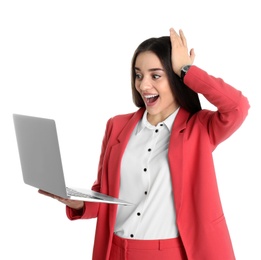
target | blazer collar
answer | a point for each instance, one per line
(179, 122)
(127, 130)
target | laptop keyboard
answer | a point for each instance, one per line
(72, 192)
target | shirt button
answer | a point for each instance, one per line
(131, 235)
(161, 124)
(145, 192)
(156, 131)
(138, 214)
(145, 169)
(149, 150)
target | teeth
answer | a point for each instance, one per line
(151, 96)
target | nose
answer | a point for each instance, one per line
(145, 84)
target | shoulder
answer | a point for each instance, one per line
(121, 120)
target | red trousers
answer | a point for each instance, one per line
(133, 249)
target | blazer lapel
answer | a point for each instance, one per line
(117, 150)
(175, 155)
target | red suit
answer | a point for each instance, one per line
(200, 218)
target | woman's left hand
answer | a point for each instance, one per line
(179, 54)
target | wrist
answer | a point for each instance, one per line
(78, 211)
(184, 71)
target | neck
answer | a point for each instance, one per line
(155, 119)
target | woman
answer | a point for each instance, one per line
(160, 159)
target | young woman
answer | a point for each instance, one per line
(160, 159)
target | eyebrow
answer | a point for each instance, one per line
(152, 69)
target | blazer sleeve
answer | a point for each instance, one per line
(90, 209)
(232, 106)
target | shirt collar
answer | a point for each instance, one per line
(145, 123)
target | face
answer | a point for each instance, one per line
(153, 85)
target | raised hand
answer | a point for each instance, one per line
(180, 56)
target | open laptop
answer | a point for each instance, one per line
(41, 162)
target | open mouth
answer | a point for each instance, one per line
(150, 99)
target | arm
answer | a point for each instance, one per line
(231, 104)
(76, 209)
(90, 209)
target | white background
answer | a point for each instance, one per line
(70, 61)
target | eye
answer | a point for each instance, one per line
(156, 76)
(138, 76)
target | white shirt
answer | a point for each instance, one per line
(146, 182)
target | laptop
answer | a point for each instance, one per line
(41, 163)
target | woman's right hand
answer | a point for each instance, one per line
(74, 204)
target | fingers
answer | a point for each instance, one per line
(75, 204)
(50, 195)
(174, 37)
(192, 55)
(180, 55)
(177, 38)
(183, 38)
(46, 193)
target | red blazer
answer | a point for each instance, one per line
(200, 218)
